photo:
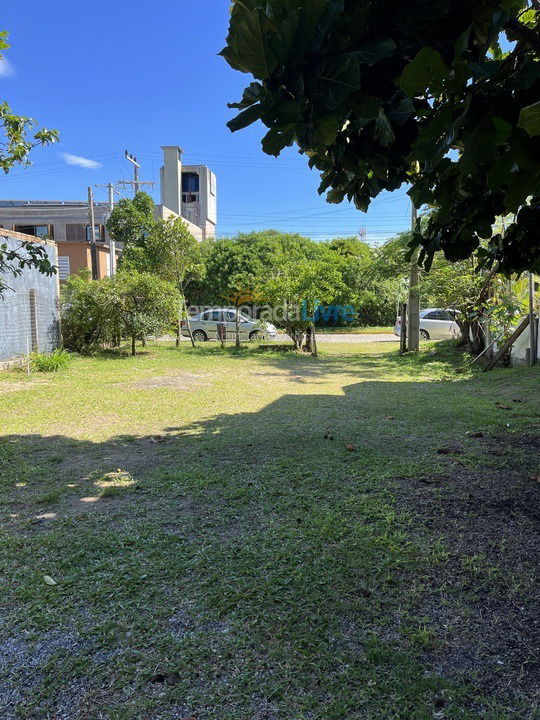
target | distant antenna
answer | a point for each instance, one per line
(362, 233)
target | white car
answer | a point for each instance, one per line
(435, 324)
(205, 326)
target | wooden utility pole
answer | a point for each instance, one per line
(413, 304)
(112, 244)
(93, 248)
(532, 322)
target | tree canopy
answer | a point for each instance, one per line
(129, 305)
(441, 94)
(18, 136)
(132, 220)
(16, 144)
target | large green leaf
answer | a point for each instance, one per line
(375, 50)
(245, 118)
(276, 139)
(252, 94)
(426, 72)
(529, 119)
(326, 128)
(248, 47)
(339, 79)
(383, 129)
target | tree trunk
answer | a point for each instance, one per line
(237, 327)
(465, 329)
(314, 350)
(179, 324)
(143, 340)
(133, 352)
(183, 305)
(307, 344)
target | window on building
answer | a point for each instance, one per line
(41, 231)
(63, 267)
(190, 187)
(99, 233)
(75, 232)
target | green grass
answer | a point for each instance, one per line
(204, 520)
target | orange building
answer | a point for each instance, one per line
(66, 223)
(74, 256)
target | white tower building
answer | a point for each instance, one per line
(189, 191)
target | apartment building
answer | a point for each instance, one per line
(186, 191)
(67, 224)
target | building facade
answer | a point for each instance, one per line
(65, 223)
(189, 192)
(186, 191)
(30, 307)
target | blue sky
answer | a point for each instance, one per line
(114, 76)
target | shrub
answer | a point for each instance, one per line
(96, 313)
(44, 362)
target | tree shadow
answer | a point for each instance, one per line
(283, 522)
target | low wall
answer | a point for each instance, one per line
(520, 354)
(30, 309)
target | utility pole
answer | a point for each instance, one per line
(112, 244)
(532, 322)
(133, 160)
(136, 184)
(93, 248)
(413, 304)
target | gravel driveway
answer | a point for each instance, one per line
(356, 337)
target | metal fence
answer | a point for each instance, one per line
(29, 322)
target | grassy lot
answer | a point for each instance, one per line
(264, 536)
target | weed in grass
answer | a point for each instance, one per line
(50, 497)
(50, 362)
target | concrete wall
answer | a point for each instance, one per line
(520, 348)
(205, 210)
(163, 213)
(30, 311)
(171, 178)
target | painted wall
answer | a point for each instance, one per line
(520, 348)
(30, 310)
(80, 257)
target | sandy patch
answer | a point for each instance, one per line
(7, 387)
(181, 381)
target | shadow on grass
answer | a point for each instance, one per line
(285, 520)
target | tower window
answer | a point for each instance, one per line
(190, 182)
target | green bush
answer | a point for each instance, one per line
(44, 362)
(97, 313)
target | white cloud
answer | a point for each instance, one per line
(80, 161)
(6, 68)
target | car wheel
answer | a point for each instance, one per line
(424, 335)
(200, 336)
(256, 335)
